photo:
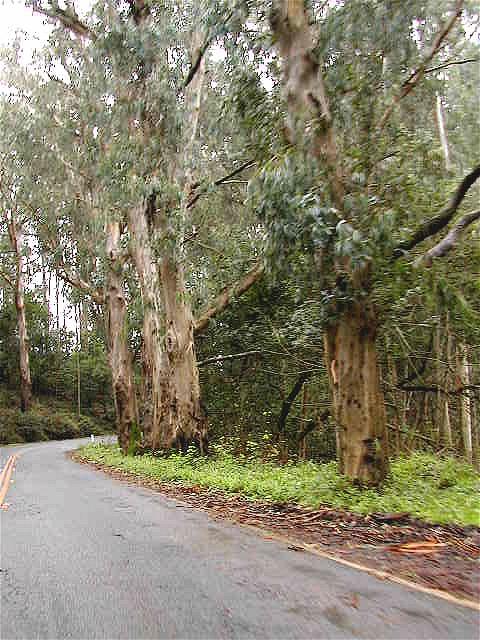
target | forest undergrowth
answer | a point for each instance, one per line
(435, 489)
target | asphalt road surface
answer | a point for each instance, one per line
(85, 556)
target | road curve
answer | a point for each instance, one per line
(85, 556)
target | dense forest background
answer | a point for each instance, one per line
(251, 222)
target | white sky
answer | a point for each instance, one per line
(14, 16)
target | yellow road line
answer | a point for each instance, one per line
(5, 477)
(4, 470)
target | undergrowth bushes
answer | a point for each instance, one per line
(43, 423)
(436, 489)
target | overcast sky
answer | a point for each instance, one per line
(15, 17)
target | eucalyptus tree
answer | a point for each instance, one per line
(342, 188)
(14, 224)
(136, 86)
(54, 143)
(12, 272)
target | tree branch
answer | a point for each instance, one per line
(228, 294)
(436, 224)
(68, 18)
(437, 388)
(448, 243)
(415, 77)
(232, 174)
(76, 281)
(233, 356)
(451, 64)
(311, 424)
(7, 279)
(203, 49)
(289, 400)
(197, 62)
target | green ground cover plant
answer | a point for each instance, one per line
(436, 489)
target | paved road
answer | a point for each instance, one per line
(85, 556)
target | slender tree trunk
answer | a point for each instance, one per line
(25, 377)
(442, 132)
(465, 408)
(358, 401)
(83, 322)
(16, 240)
(79, 348)
(119, 355)
(45, 296)
(302, 442)
(288, 402)
(446, 422)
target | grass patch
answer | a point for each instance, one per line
(441, 490)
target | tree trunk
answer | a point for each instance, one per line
(182, 419)
(358, 402)
(25, 378)
(16, 240)
(465, 409)
(142, 233)
(78, 331)
(446, 422)
(288, 401)
(119, 355)
(442, 132)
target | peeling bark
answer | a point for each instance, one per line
(358, 402)
(153, 325)
(309, 120)
(182, 419)
(119, 355)
(350, 342)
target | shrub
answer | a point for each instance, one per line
(43, 424)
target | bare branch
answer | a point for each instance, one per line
(229, 294)
(289, 400)
(233, 356)
(197, 62)
(232, 174)
(200, 52)
(440, 221)
(448, 243)
(68, 18)
(451, 64)
(415, 77)
(464, 389)
(65, 273)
